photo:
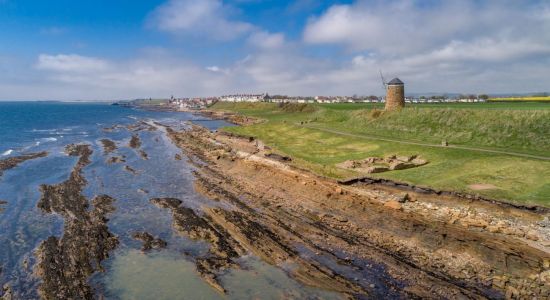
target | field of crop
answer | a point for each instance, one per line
(320, 136)
(533, 99)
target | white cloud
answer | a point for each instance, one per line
(401, 27)
(199, 18)
(217, 69)
(156, 73)
(214, 69)
(465, 45)
(266, 40)
(70, 63)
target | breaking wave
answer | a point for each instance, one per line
(8, 152)
(49, 139)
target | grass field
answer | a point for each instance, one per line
(301, 131)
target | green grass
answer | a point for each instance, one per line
(461, 105)
(517, 179)
(523, 131)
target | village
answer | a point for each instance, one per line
(202, 102)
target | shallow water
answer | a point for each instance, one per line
(130, 274)
(165, 275)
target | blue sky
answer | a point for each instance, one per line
(92, 50)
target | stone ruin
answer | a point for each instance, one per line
(372, 165)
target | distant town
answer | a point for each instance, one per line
(202, 102)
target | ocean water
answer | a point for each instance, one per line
(27, 127)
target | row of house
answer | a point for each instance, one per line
(185, 104)
(244, 98)
(199, 103)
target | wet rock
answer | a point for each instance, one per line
(135, 142)
(2, 203)
(130, 169)
(12, 162)
(143, 154)
(171, 203)
(108, 146)
(149, 241)
(147, 126)
(7, 292)
(113, 128)
(65, 264)
(223, 251)
(116, 160)
(266, 244)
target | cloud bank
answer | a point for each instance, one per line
(466, 46)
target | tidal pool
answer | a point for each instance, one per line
(166, 275)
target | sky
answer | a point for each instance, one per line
(126, 49)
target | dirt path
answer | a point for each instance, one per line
(425, 144)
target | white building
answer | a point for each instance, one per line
(244, 98)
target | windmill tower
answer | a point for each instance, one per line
(395, 93)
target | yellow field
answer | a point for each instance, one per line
(547, 98)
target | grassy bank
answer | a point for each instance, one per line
(301, 132)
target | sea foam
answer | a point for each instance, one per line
(49, 139)
(8, 152)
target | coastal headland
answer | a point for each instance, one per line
(422, 244)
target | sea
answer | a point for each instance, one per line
(30, 127)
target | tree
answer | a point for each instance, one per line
(483, 96)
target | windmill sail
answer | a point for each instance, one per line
(383, 80)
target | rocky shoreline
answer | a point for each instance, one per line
(423, 244)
